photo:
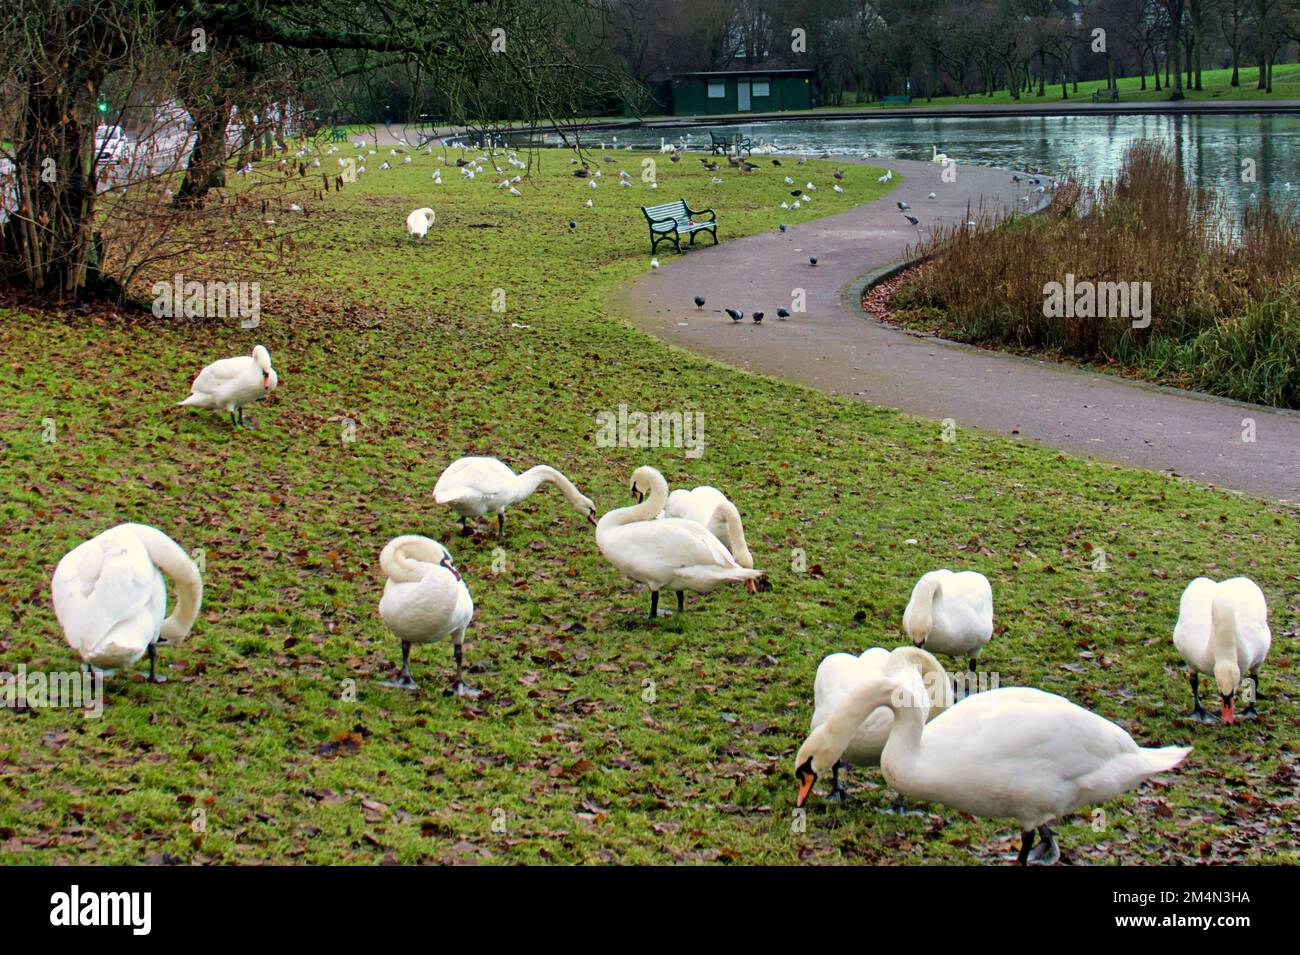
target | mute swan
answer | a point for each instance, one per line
(1222, 631)
(936, 156)
(110, 599)
(1012, 752)
(950, 613)
(668, 554)
(231, 383)
(425, 600)
(709, 507)
(419, 222)
(840, 674)
(474, 486)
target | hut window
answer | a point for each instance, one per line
(717, 89)
(761, 88)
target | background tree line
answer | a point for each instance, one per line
(866, 49)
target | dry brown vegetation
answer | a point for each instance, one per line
(1224, 310)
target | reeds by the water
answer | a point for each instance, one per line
(1224, 290)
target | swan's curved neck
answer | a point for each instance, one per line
(837, 732)
(735, 529)
(535, 477)
(929, 604)
(408, 559)
(647, 510)
(1223, 633)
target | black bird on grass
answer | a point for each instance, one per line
(796, 193)
(781, 227)
(573, 223)
(699, 301)
(776, 162)
(735, 315)
(758, 318)
(783, 313)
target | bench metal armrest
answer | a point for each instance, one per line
(713, 216)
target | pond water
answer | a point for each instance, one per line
(1210, 148)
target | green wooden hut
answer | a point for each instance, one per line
(741, 91)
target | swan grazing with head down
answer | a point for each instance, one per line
(1222, 631)
(669, 554)
(709, 507)
(1013, 752)
(110, 598)
(475, 486)
(950, 614)
(231, 383)
(425, 600)
(840, 675)
(419, 222)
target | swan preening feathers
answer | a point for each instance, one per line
(1010, 753)
(1222, 631)
(474, 486)
(111, 600)
(425, 601)
(669, 554)
(230, 383)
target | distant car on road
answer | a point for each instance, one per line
(111, 144)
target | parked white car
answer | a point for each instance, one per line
(111, 144)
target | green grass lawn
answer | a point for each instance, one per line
(565, 758)
(1216, 83)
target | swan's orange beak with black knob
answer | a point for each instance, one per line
(1229, 710)
(591, 516)
(751, 586)
(806, 777)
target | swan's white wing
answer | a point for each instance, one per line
(1192, 630)
(674, 542)
(1018, 746)
(224, 372)
(102, 584)
(472, 477)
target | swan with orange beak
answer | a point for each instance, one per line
(230, 383)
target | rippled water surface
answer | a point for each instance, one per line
(1210, 148)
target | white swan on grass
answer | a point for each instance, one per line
(1222, 631)
(419, 222)
(111, 601)
(669, 554)
(950, 614)
(840, 675)
(230, 383)
(1013, 752)
(475, 486)
(425, 601)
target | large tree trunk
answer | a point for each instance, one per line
(207, 166)
(50, 236)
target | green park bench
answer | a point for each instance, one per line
(1110, 95)
(672, 220)
(896, 101)
(338, 134)
(724, 144)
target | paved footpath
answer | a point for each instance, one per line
(835, 348)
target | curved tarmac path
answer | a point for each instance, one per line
(834, 347)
